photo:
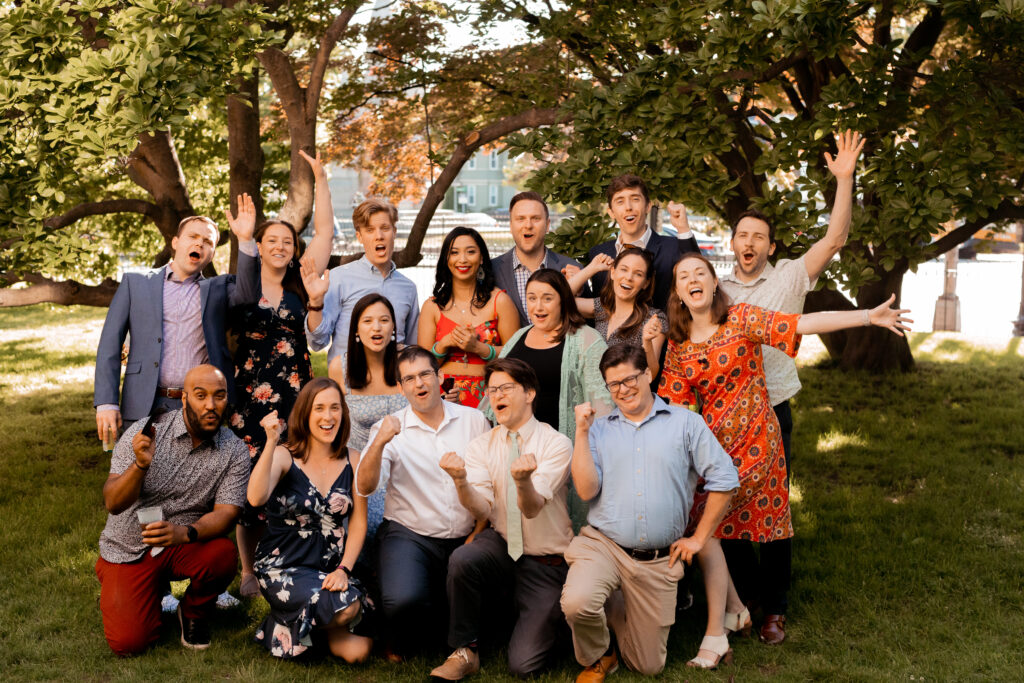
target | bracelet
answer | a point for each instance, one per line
(437, 354)
(140, 466)
(348, 572)
(867, 318)
(314, 308)
(491, 353)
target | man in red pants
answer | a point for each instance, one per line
(195, 471)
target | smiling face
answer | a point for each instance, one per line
(752, 246)
(629, 277)
(325, 416)
(464, 258)
(512, 405)
(695, 284)
(628, 208)
(544, 306)
(375, 327)
(276, 246)
(193, 247)
(420, 384)
(634, 401)
(378, 239)
(528, 221)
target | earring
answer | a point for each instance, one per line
(480, 275)
(394, 335)
(358, 340)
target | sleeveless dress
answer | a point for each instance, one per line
(303, 543)
(364, 411)
(470, 388)
(725, 373)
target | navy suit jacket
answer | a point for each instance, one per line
(666, 251)
(138, 308)
(506, 279)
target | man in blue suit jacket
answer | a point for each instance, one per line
(176, 318)
(628, 205)
(529, 223)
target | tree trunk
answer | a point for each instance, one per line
(245, 154)
(66, 292)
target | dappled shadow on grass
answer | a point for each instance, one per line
(30, 356)
(45, 315)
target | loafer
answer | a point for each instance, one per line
(596, 672)
(773, 630)
(461, 663)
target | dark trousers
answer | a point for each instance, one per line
(412, 570)
(766, 579)
(130, 593)
(482, 571)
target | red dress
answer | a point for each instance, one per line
(470, 388)
(726, 373)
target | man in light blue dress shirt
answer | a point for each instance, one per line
(638, 467)
(328, 318)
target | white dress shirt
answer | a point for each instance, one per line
(641, 243)
(420, 495)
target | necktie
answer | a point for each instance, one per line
(513, 520)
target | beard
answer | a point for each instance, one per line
(194, 424)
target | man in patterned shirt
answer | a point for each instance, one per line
(195, 471)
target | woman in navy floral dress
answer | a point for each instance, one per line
(304, 560)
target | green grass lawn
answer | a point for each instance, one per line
(908, 506)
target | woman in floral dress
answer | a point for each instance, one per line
(304, 560)
(272, 359)
(714, 363)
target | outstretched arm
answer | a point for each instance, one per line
(849, 145)
(319, 249)
(831, 321)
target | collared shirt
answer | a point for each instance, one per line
(348, 284)
(782, 287)
(185, 482)
(642, 242)
(648, 472)
(522, 273)
(487, 471)
(420, 495)
(184, 344)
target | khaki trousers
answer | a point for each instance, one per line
(641, 618)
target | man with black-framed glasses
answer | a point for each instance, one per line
(424, 522)
(516, 477)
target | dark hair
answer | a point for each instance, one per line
(571, 318)
(298, 422)
(623, 353)
(356, 370)
(626, 182)
(528, 196)
(641, 309)
(520, 372)
(443, 274)
(679, 317)
(754, 213)
(292, 280)
(410, 353)
(202, 219)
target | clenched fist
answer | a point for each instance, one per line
(585, 416)
(453, 465)
(272, 426)
(523, 467)
(390, 427)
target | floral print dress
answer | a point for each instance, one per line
(303, 543)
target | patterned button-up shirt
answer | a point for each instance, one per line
(522, 273)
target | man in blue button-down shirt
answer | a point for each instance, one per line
(638, 467)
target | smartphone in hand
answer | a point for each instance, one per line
(447, 384)
(149, 429)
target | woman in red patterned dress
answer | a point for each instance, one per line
(714, 364)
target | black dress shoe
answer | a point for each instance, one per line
(195, 633)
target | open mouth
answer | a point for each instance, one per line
(747, 257)
(377, 338)
(695, 292)
(327, 428)
(381, 249)
(527, 235)
(463, 270)
(195, 256)
(422, 393)
(630, 219)
(499, 407)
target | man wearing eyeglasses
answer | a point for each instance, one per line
(638, 467)
(424, 522)
(515, 476)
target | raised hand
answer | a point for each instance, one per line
(243, 225)
(454, 465)
(272, 426)
(585, 416)
(892, 318)
(390, 427)
(849, 144)
(315, 164)
(569, 270)
(316, 285)
(600, 263)
(652, 329)
(678, 218)
(523, 467)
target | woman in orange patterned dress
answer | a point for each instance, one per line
(714, 364)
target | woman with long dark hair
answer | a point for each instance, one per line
(467, 318)
(304, 560)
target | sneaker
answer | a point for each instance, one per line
(596, 672)
(195, 633)
(459, 664)
(169, 604)
(226, 601)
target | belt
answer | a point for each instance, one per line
(646, 555)
(549, 560)
(172, 392)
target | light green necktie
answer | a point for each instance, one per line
(513, 521)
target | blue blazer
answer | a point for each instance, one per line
(666, 251)
(138, 308)
(506, 279)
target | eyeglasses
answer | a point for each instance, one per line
(423, 376)
(628, 383)
(506, 388)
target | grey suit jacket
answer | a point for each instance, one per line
(138, 308)
(506, 279)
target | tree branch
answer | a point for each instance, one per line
(101, 208)
(323, 57)
(45, 290)
(279, 68)
(918, 47)
(1005, 210)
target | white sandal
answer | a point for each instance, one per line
(739, 622)
(716, 644)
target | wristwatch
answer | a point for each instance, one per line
(193, 535)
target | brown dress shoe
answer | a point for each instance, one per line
(773, 630)
(596, 672)
(461, 663)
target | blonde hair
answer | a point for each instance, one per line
(364, 212)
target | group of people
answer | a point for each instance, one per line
(487, 469)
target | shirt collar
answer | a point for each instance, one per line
(178, 430)
(170, 276)
(659, 406)
(642, 242)
(413, 420)
(374, 269)
(525, 432)
(765, 273)
(516, 263)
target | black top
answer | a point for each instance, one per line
(547, 363)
